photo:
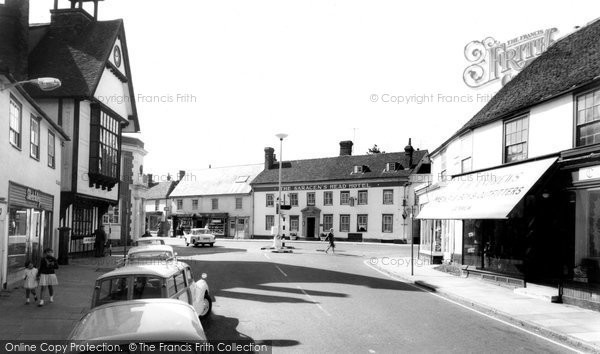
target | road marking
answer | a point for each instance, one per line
(313, 301)
(282, 272)
(472, 309)
(267, 256)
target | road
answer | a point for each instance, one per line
(308, 301)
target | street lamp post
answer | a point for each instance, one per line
(44, 83)
(277, 238)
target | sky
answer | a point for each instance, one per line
(238, 72)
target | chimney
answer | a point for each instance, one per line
(181, 174)
(269, 157)
(346, 148)
(14, 38)
(408, 152)
(149, 179)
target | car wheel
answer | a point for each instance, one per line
(212, 244)
(187, 244)
(207, 307)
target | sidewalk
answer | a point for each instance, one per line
(572, 325)
(53, 320)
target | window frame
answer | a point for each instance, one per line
(296, 219)
(293, 201)
(383, 229)
(19, 134)
(347, 193)
(308, 199)
(358, 223)
(269, 219)
(505, 146)
(195, 204)
(51, 157)
(179, 204)
(239, 203)
(383, 197)
(576, 134)
(34, 121)
(269, 203)
(157, 205)
(328, 201)
(327, 226)
(342, 216)
(214, 203)
(366, 199)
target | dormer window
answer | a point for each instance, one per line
(391, 166)
(360, 169)
(242, 179)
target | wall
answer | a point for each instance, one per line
(114, 93)
(551, 126)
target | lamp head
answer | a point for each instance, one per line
(281, 136)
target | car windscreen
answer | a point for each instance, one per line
(162, 255)
(112, 289)
(199, 232)
(147, 287)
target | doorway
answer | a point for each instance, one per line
(310, 227)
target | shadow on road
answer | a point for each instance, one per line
(184, 251)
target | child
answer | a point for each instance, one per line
(331, 239)
(47, 276)
(30, 281)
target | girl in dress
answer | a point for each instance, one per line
(47, 275)
(30, 283)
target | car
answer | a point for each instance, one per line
(149, 241)
(136, 281)
(151, 321)
(200, 237)
(151, 254)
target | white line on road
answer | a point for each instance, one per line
(313, 301)
(474, 310)
(267, 256)
(282, 272)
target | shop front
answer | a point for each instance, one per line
(217, 223)
(239, 227)
(30, 228)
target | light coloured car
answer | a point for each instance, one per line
(149, 320)
(144, 241)
(134, 281)
(152, 254)
(200, 237)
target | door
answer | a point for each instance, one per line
(310, 227)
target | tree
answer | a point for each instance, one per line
(375, 150)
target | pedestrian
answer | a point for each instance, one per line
(100, 241)
(30, 281)
(330, 238)
(46, 275)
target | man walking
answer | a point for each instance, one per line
(330, 238)
(100, 241)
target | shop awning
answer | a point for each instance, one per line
(490, 194)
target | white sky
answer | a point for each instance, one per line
(308, 68)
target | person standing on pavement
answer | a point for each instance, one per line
(30, 281)
(330, 238)
(100, 241)
(47, 276)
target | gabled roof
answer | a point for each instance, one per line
(570, 63)
(218, 181)
(160, 190)
(340, 168)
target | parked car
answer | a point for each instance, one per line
(149, 321)
(151, 254)
(200, 237)
(149, 241)
(172, 280)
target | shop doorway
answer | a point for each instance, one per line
(310, 227)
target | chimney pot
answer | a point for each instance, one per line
(346, 147)
(408, 152)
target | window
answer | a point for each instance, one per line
(344, 223)
(515, 139)
(588, 118)
(387, 223)
(443, 172)
(145, 287)
(179, 281)
(34, 138)
(327, 222)
(113, 289)
(111, 219)
(215, 203)
(156, 205)
(391, 166)
(194, 204)
(105, 135)
(362, 197)
(361, 223)
(294, 223)
(466, 165)
(238, 203)
(270, 200)
(242, 179)
(388, 196)
(51, 150)
(14, 113)
(179, 204)
(344, 197)
(310, 198)
(358, 169)
(328, 198)
(269, 222)
(294, 199)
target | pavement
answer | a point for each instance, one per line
(566, 323)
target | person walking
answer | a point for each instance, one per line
(100, 241)
(47, 276)
(30, 281)
(331, 239)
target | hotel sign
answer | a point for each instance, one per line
(330, 186)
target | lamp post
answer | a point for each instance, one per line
(277, 238)
(44, 83)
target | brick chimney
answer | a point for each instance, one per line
(181, 174)
(14, 37)
(408, 152)
(149, 179)
(346, 148)
(269, 157)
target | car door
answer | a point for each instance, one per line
(195, 295)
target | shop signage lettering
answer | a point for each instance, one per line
(588, 173)
(87, 240)
(319, 187)
(33, 195)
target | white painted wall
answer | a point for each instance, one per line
(115, 94)
(487, 145)
(551, 126)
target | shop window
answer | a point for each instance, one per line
(51, 150)
(294, 223)
(310, 198)
(34, 138)
(111, 219)
(344, 223)
(388, 196)
(328, 198)
(269, 222)
(387, 223)
(345, 198)
(362, 197)
(194, 204)
(588, 118)
(238, 203)
(294, 199)
(214, 203)
(515, 139)
(83, 221)
(327, 222)
(105, 132)
(15, 118)
(270, 200)
(361, 223)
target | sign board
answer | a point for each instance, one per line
(588, 173)
(33, 195)
(88, 240)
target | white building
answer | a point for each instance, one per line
(217, 198)
(366, 197)
(156, 205)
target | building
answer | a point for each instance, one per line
(217, 198)
(515, 190)
(94, 106)
(156, 201)
(366, 197)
